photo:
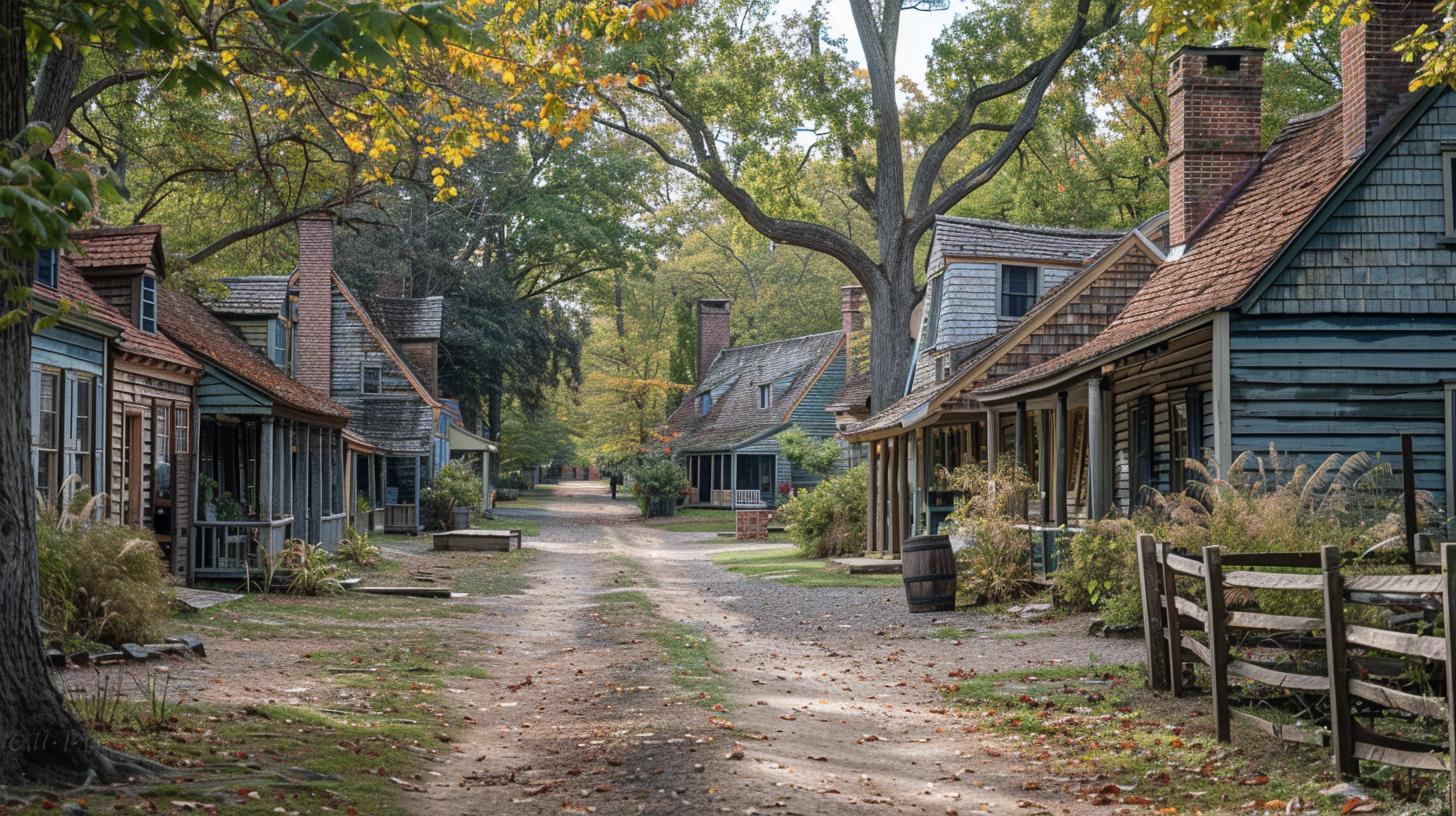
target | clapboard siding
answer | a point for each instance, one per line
(398, 420)
(219, 392)
(1343, 384)
(812, 414)
(135, 389)
(66, 348)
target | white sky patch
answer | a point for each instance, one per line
(917, 30)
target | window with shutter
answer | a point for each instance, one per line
(147, 305)
(48, 435)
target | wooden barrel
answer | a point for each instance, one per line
(929, 569)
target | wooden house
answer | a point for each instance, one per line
(150, 383)
(269, 451)
(262, 308)
(980, 324)
(1307, 302)
(726, 429)
(69, 362)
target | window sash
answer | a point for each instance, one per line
(371, 379)
(1448, 187)
(147, 314)
(45, 267)
(1019, 289)
(181, 427)
(765, 396)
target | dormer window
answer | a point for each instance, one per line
(147, 305)
(1019, 289)
(942, 369)
(371, 379)
(45, 268)
(705, 404)
(765, 396)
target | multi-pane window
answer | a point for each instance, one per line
(162, 449)
(45, 267)
(48, 436)
(705, 404)
(147, 305)
(278, 343)
(181, 429)
(932, 313)
(82, 413)
(372, 381)
(765, 396)
(1018, 289)
(1177, 444)
(1448, 176)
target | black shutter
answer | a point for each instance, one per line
(1195, 423)
(1144, 447)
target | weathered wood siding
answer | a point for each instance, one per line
(813, 416)
(397, 419)
(1164, 374)
(133, 389)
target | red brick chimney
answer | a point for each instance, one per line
(1214, 136)
(1374, 77)
(315, 301)
(851, 308)
(712, 332)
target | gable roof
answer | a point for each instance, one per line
(1235, 245)
(252, 295)
(71, 285)
(978, 237)
(735, 418)
(119, 247)
(409, 318)
(385, 344)
(204, 334)
(1076, 303)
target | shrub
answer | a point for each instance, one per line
(831, 519)
(1097, 564)
(813, 457)
(311, 569)
(455, 485)
(995, 564)
(657, 482)
(356, 549)
(513, 481)
(100, 582)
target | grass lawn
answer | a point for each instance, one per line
(506, 521)
(696, 520)
(1157, 752)
(787, 567)
(378, 706)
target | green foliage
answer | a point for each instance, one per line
(513, 481)
(530, 439)
(357, 550)
(455, 485)
(995, 564)
(1097, 564)
(807, 454)
(830, 519)
(99, 582)
(657, 483)
(311, 569)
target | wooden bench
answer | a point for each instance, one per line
(478, 540)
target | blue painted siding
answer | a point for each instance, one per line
(1341, 384)
(219, 392)
(70, 349)
(812, 414)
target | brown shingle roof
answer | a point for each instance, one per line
(110, 247)
(191, 324)
(1000, 239)
(409, 318)
(794, 365)
(1299, 171)
(253, 295)
(73, 287)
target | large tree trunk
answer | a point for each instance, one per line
(40, 739)
(892, 301)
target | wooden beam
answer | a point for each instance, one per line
(1059, 486)
(1018, 448)
(1096, 454)
(902, 531)
(871, 537)
(1222, 402)
(1342, 734)
(993, 439)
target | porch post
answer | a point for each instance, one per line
(316, 490)
(733, 483)
(300, 481)
(872, 510)
(893, 528)
(417, 491)
(1096, 452)
(903, 462)
(1044, 443)
(882, 523)
(1059, 488)
(993, 439)
(1019, 447)
(265, 470)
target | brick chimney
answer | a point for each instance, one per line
(851, 308)
(1374, 77)
(712, 332)
(315, 302)
(1214, 136)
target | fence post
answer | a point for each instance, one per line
(1154, 647)
(1174, 630)
(1342, 733)
(1448, 610)
(1217, 630)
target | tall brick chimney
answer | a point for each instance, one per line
(1214, 136)
(851, 308)
(712, 332)
(1373, 76)
(314, 328)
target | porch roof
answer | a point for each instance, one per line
(262, 295)
(1228, 252)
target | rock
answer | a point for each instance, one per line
(134, 651)
(192, 642)
(1346, 790)
(56, 658)
(81, 658)
(102, 658)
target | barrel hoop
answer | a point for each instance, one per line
(932, 599)
(923, 546)
(937, 576)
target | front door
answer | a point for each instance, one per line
(131, 446)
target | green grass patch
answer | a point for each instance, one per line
(628, 572)
(687, 651)
(492, 573)
(697, 520)
(951, 633)
(786, 566)
(1031, 635)
(505, 521)
(1100, 722)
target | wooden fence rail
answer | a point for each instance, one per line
(1186, 626)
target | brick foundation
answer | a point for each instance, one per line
(752, 525)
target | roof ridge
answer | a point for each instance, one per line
(783, 340)
(1099, 232)
(127, 229)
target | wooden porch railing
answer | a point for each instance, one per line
(748, 498)
(227, 549)
(1366, 667)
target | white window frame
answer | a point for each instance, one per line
(1001, 288)
(145, 287)
(705, 403)
(364, 379)
(1448, 187)
(942, 369)
(765, 396)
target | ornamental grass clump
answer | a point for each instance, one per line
(100, 582)
(831, 519)
(995, 564)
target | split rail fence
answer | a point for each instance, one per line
(1399, 674)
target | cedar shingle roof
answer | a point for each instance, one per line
(792, 365)
(253, 295)
(409, 318)
(73, 287)
(112, 247)
(999, 239)
(853, 396)
(926, 391)
(1300, 169)
(192, 325)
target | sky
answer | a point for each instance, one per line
(917, 30)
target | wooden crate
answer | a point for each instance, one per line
(478, 540)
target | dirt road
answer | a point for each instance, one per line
(830, 699)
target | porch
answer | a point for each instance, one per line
(732, 480)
